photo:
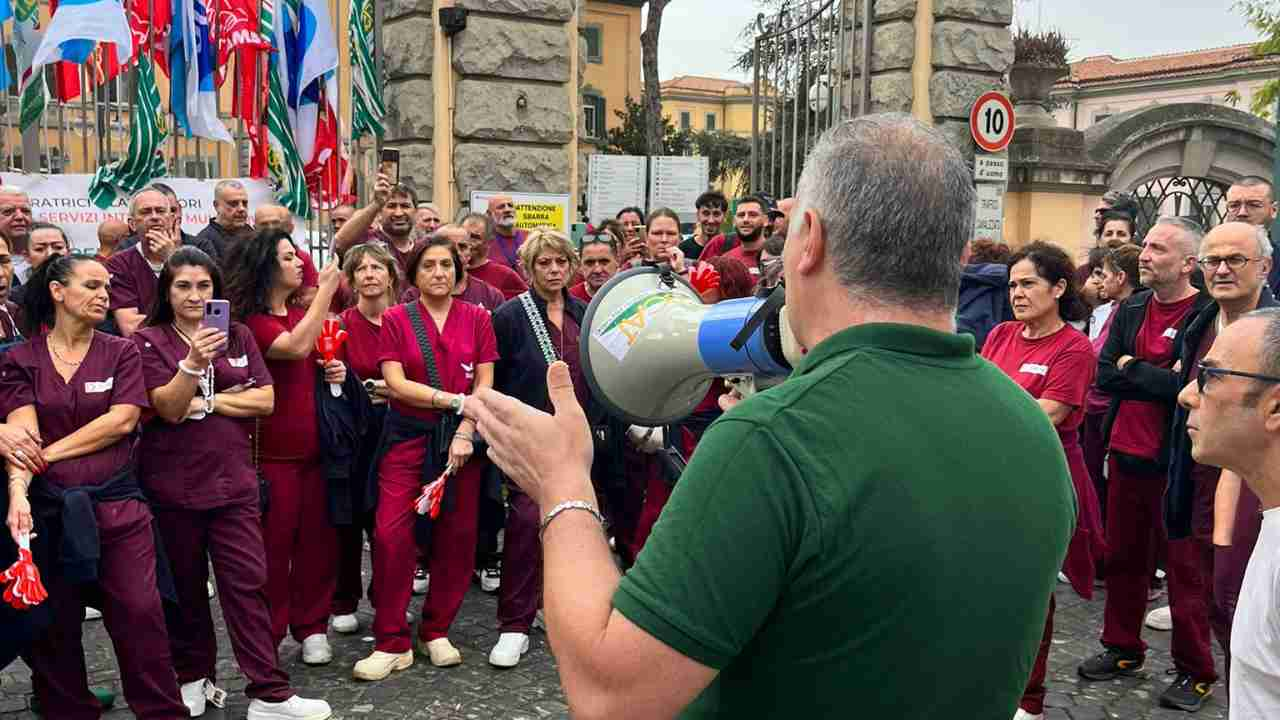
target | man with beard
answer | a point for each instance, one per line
(599, 263)
(394, 208)
(175, 210)
(507, 239)
(135, 272)
(749, 223)
(480, 234)
(231, 205)
(1235, 258)
(15, 227)
(1136, 369)
(711, 207)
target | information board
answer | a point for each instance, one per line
(615, 182)
(676, 182)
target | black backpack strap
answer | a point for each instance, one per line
(424, 344)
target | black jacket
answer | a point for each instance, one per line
(1180, 494)
(188, 240)
(217, 240)
(341, 422)
(1140, 380)
(521, 370)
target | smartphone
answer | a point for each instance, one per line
(389, 165)
(217, 314)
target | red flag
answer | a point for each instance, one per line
(324, 174)
(141, 23)
(66, 76)
(235, 23)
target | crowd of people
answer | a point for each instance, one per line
(148, 447)
(147, 444)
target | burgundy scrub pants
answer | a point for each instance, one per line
(451, 556)
(133, 616)
(1134, 525)
(302, 550)
(232, 538)
(1033, 696)
(520, 594)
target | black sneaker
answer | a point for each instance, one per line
(1184, 693)
(1111, 664)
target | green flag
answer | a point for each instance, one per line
(26, 39)
(282, 152)
(367, 108)
(144, 160)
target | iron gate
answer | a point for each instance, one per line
(1199, 199)
(802, 85)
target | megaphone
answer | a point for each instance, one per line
(651, 348)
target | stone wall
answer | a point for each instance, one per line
(407, 56)
(972, 49)
(514, 110)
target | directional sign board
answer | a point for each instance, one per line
(988, 220)
(990, 169)
(991, 121)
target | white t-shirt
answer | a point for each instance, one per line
(1099, 318)
(1255, 632)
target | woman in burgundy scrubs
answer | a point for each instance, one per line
(196, 466)
(81, 391)
(1055, 364)
(302, 546)
(373, 275)
(460, 338)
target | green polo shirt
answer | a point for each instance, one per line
(876, 537)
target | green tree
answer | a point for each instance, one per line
(729, 155)
(631, 137)
(1263, 16)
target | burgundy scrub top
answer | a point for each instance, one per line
(466, 342)
(291, 432)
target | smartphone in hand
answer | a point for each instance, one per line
(217, 314)
(389, 164)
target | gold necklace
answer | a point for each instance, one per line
(58, 356)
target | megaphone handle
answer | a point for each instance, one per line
(776, 299)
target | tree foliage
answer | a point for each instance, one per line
(631, 137)
(1263, 16)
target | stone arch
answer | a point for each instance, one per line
(1196, 140)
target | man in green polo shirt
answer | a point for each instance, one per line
(876, 537)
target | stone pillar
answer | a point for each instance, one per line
(515, 99)
(972, 48)
(408, 52)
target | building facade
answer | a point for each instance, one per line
(611, 74)
(1102, 86)
(698, 103)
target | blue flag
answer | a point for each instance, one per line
(192, 64)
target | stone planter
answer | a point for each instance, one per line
(1031, 85)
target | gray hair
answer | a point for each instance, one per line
(1264, 241)
(133, 201)
(1192, 230)
(13, 190)
(1269, 360)
(227, 185)
(896, 200)
(481, 218)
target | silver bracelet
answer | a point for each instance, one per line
(570, 505)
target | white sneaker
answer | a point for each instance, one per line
(92, 614)
(443, 654)
(193, 696)
(421, 581)
(410, 617)
(345, 624)
(209, 587)
(510, 648)
(540, 621)
(490, 578)
(381, 664)
(1062, 578)
(316, 650)
(1160, 619)
(1024, 715)
(295, 708)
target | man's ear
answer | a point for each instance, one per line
(1270, 405)
(813, 243)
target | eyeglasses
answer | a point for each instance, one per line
(1204, 373)
(1235, 262)
(1235, 205)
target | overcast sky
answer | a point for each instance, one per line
(701, 37)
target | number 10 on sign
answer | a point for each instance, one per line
(991, 121)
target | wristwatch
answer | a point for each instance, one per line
(455, 404)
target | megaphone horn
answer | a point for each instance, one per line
(651, 348)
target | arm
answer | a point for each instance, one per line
(1057, 411)
(296, 344)
(19, 520)
(1224, 508)
(247, 403)
(355, 228)
(104, 431)
(1111, 379)
(128, 320)
(172, 401)
(414, 394)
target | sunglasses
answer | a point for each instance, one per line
(1204, 373)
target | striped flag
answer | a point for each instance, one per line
(367, 108)
(26, 40)
(75, 28)
(282, 153)
(144, 160)
(193, 64)
(6, 12)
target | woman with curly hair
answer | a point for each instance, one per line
(302, 546)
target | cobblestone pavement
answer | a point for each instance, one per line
(531, 691)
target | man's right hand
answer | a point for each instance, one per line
(381, 190)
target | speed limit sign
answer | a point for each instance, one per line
(991, 121)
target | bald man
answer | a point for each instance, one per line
(15, 227)
(111, 233)
(507, 239)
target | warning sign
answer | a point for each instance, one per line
(533, 210)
